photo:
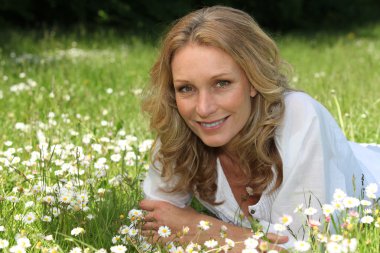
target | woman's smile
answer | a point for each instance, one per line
(213, 94)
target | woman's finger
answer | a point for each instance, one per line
(147, 205)
(274, 238)
(153, 226)
(149, 216)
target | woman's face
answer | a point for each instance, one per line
(212, 92)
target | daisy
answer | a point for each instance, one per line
(204, 225)
(77, 231)
(333, 247)
(101, 251)
(76, 250)
(286, 220)
(17, 249)
(367, 219)
(118, 249)
(327, 209)
(336, 238)
(164, 231)
(310, 211)
(339, 195)
(211, 244)
(29, 218)
(301, 246)
(350, 202)
(251, 243)
(371, 190)
(3, 243)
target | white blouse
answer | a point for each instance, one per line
(316, 157)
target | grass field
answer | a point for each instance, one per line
(73, 142)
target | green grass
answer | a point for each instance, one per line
(82, 83)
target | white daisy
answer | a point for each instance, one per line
(164, 231)
(301, 246)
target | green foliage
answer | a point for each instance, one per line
(151, 16)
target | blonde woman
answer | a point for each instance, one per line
(233, 134)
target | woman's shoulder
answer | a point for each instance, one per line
(300, 105)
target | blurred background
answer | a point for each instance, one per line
(151, 16)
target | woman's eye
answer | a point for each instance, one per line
(184, 89)
(222, 84)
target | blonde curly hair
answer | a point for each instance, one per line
(180, 152)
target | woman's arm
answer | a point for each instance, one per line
(161, 213)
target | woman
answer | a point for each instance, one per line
(231, 132)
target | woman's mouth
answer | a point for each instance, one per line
(213, 124)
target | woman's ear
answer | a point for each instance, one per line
(253, 92)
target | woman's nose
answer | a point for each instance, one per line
(206, 104)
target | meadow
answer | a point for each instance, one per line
(74, 144)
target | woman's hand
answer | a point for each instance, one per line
(161, 213)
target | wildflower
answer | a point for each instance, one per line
(333, 247)
(286, 220)
(164, 231)
(367, 219)
(230, 243)
(298, 209)
(101, 251)
(322, 238)
(192, 247)
(313, 223)
(49, 238)
(310, 211)
(337, 205)
(17, 249)
(204, 225)
(349, 245)
(77, 231)
(251, 243)
(46, 218)
(115, 158)
(350, 202)
(264, 246)
(134, 214)
(29, 204)
(185, 230)
(29, 218)
(365, 202)
(118, 249)
(371, 190)
(211, 244)
(336, 238)
(116, 239)
(124, 230)
(76, 250)
(272, 251)
(133, 232)
(301, 246)
(13, 199)
(49, 200)
(339, 195)
(2, 229)
(3, 243)
(327, 209)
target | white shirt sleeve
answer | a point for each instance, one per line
(155, 187)
(316, 158)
